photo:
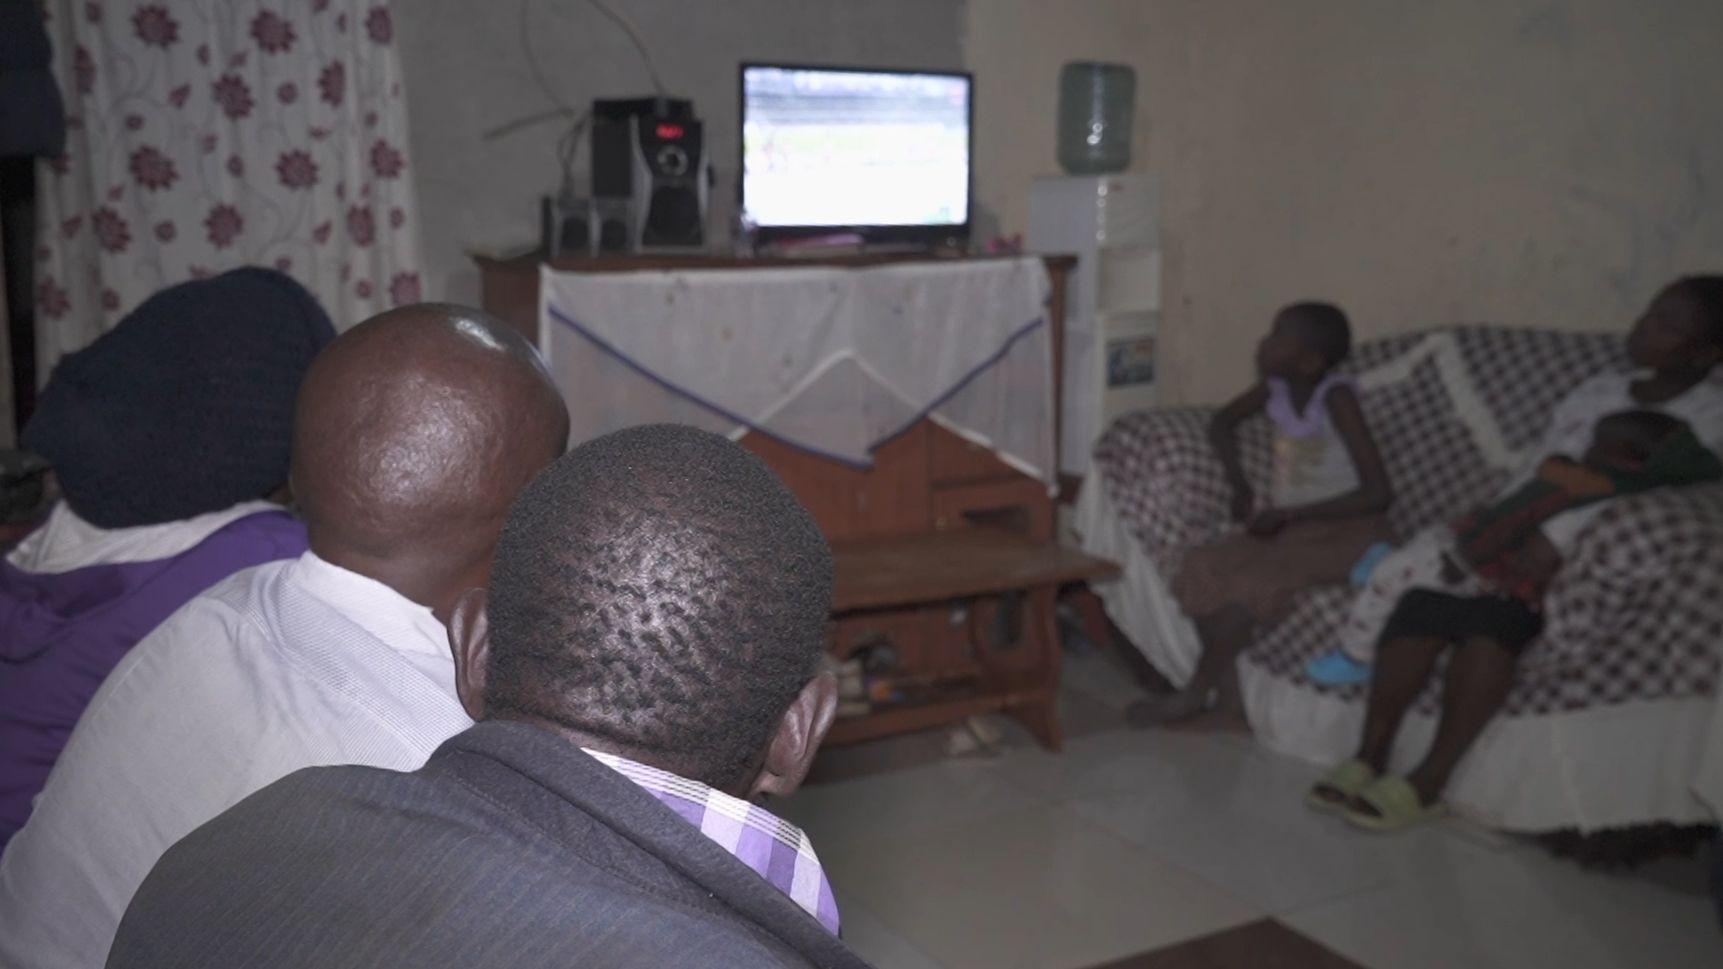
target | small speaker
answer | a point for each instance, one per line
(652, 152)
(583, 227)
(565, 233)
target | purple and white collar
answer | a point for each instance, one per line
(774, 848)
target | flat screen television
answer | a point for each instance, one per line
(884, 154)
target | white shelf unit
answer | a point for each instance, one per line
(1111, 223)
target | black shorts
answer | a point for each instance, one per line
(1426, 612)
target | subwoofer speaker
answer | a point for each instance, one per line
(652, 151)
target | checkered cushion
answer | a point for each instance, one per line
(1166, 482)
(1523, 373)
(1638, 612)
(1435, 469)
(1643, 615)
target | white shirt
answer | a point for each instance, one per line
(288, 665)
(1310, 460)
(1570, 431)
(65, 542)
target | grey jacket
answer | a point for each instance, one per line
(510, 847)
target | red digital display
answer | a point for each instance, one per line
(670, 132)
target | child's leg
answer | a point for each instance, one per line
(1477, 685)
(1235, 634)
(1224, 634)
(1417, 564)
(1402, 670)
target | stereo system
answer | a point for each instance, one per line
(652, 153)
(651, 183)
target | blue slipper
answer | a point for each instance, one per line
(1335, 668)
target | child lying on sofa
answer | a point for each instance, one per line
(1481, 591)
(1501, 549)
(1676, 344)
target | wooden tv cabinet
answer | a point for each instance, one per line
(943, 550)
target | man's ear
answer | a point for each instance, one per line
(470, 639)
(797, 739)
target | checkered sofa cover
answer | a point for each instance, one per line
(1637, 614)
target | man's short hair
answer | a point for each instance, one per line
(1323, 327)
(659, 587)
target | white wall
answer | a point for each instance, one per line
(465, 73)
(1532, 163)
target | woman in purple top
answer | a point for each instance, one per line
(169, 436)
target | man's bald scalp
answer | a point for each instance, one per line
(419, 426)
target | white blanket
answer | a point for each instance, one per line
(832, 360)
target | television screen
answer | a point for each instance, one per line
(854, 148)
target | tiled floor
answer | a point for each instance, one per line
(1140, 842)
(1264, 944)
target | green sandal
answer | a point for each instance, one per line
(1340, 785)
(1396, 804)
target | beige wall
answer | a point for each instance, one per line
(1533, 163)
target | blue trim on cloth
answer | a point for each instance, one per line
(641, 369)
(962, 382)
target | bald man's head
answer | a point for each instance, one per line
(415, 431)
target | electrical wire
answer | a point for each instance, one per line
(568, 145)
(532, 58)
(633, 35)
(510, 127)
(562, 109)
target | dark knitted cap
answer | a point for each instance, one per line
(186, 406)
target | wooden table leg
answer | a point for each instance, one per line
(1041, 628)
(1097, 627)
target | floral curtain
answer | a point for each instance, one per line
(209, 134)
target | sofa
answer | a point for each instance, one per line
(1614, 719)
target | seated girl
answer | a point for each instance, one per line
(1328, 494)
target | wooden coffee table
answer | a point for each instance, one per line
(966, 611)
(1001, 585)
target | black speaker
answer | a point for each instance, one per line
(652, 152)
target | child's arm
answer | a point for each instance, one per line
(1533, 566)
(1373, 492)
(1223, 437)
